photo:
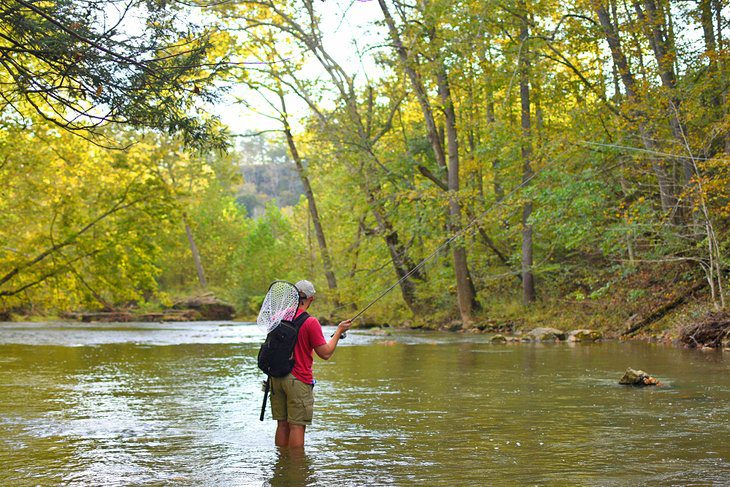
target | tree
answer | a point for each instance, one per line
(83, 64)
(360, 133)
(528, 281)
(466, 293)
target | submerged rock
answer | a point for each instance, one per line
(544, 334)
(584, 335)
(637, 378)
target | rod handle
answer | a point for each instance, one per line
(266, 394)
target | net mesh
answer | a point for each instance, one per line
(280, 303)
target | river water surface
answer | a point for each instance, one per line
(178, 404)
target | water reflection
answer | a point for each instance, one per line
(293, 467)
(176, 405)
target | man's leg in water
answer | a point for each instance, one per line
(282, 433)
(296, 435)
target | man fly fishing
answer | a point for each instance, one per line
(292, 394)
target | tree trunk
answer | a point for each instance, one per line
(657, 33)
(311, 203)
(418, 88)
(708, 30)
(528, 280)
(401, 263)
(614, 70)
(718, 16)
(466, 295)
(346, 87)
(666, 191)
(196, 254)
(496, 176)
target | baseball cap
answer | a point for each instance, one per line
(305, 287)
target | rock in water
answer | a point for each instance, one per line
(546, 334)
(499, 339)
(584, 336)
(637, 378)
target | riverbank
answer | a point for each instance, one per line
(650, 303)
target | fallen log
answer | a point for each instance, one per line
(107, 317)
(638, 323)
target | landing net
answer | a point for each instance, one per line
(280, 303)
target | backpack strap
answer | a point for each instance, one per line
(299, 320)
(297, 323)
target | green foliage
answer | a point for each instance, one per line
(84, 65)
(628, 169)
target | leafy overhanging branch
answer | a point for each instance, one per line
(56, 61)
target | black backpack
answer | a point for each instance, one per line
(276, 354)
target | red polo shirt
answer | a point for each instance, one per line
(310, 336)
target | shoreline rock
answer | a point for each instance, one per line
(585, 335)
(498, 339)
(545, 334)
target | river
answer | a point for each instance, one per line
(178, 404)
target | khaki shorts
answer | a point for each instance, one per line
(292, 400)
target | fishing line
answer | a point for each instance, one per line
(500, 203)
(649, 151)
(466, 228)
(451, 239)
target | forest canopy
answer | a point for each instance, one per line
(567, 155)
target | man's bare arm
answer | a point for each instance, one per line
(325, 351)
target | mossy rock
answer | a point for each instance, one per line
(545, 334)
(584, 335)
